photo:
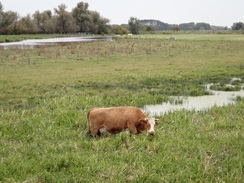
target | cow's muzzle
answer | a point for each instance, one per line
(152, 133)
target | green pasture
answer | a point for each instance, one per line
(195, 36)
(46, 93)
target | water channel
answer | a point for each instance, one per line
(33, 43)
(199, 103)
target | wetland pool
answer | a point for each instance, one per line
(34, 43)
(198, 103)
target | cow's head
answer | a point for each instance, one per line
(148, 124)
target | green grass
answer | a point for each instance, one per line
(48, 144)
(141, 66)
(226, 88)
(194, 36)
(46, 93)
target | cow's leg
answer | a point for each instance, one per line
(88, 133)
(132, 128)
(94, 131)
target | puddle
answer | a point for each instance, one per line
(33, 43)
(199, 103)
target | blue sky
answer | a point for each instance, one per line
(215, 12)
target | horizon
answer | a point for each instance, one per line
(218, 13)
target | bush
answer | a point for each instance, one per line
(119, 30)
(17, 28)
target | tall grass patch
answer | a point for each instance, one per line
(48, 144)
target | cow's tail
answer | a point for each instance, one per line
(88, 122)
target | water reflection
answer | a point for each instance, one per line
(33, 43)
(218, 98)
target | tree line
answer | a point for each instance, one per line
(135, 26)
(83, 20)
(80, 19)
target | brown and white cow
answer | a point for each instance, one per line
(116, 119)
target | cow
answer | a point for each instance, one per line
(116, 119)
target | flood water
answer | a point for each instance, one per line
(199, 103)
(33, 43)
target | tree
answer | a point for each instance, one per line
(1, 7)
(238, 26)
(50, 25)
(39, 19)
(175, 28)
(65, 21)
(187, 26)
(1, 15)
(150, 28)
(30, 24)
(134, 25)
(89, 21)
(16, 28)
(82, 16)
(202, 26)
(98, 24)
(46, 22)
(8, 18)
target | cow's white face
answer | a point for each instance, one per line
(153, 122)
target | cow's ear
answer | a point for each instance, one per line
(144, 120)
(156, 121)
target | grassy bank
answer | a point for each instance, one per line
(46, 92)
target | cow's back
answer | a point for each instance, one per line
(117, 114)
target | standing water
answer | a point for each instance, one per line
(218, 98)
(33, 43)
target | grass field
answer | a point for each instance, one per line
(46, 93)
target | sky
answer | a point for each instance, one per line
(214, 12)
